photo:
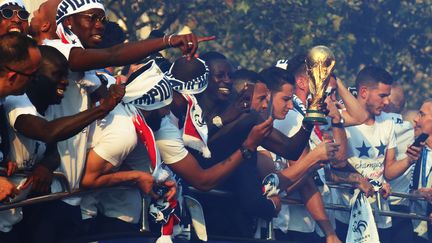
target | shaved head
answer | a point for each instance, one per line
(43, 25)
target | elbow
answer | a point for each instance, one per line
(203, 186)
(49, 138)
(87, 183)
(388, 176)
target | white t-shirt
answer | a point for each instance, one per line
(73, 151)
(169, 141)
(404, 133)
(24, 151)
(115, 140)
(367, 146)
(114, 136)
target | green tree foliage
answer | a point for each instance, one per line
(396, 35)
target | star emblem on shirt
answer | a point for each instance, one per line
(364, 150)
(381, 148)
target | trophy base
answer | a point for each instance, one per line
(315, 117)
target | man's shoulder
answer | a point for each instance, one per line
(64, 48)
(17, 101)
(396, 118)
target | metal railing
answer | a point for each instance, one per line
(67, 192)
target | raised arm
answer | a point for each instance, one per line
(354, 114)
(123, 54)
(339, 134)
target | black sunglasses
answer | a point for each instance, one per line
(29, 75)
(93, 18)
(8, 13)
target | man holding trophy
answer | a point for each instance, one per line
(320, 61)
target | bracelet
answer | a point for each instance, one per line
(165, 40)
(169, 40)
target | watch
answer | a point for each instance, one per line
(217, 121)
(246, 153)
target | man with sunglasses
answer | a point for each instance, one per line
(20, 58)
(13, 17)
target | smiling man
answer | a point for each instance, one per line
(20, 59)
(13, 17)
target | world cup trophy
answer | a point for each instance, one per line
(320, 63)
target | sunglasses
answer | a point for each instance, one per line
(93, 18)
(7, 13)
(29, 75)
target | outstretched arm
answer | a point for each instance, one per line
(66, 127)
(98, 173)
(289, 148)
(123, 54)
(350, 176)
(206, 179)
(394, 168)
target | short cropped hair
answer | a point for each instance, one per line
(14, 48)
(245, 76)
(297, 65)
(51, 56)
(371, 76)
(211, 56)
(275, 78)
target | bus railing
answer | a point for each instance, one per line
(67, 192)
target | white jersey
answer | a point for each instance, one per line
(73, 151)
(367, 147)
(404, 133)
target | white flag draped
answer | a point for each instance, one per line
(362, 227)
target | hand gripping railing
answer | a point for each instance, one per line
(331, 206)
(67, 192)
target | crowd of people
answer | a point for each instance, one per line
(165, 126)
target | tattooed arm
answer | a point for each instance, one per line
(351, 177)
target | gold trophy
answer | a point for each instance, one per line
(320, 63)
